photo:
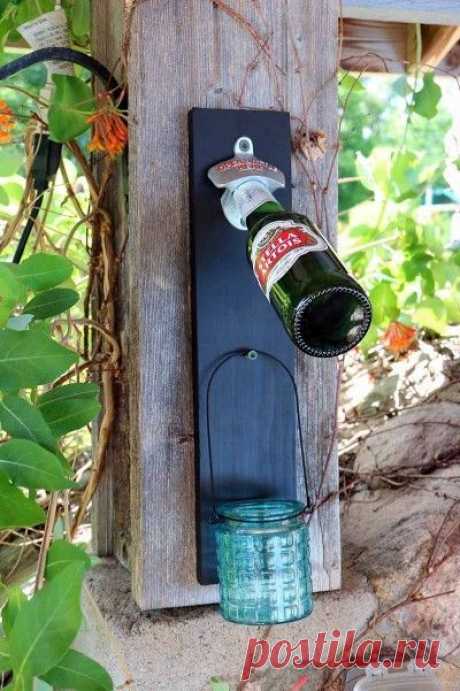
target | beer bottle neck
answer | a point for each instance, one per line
(252, 200)
(265, 209)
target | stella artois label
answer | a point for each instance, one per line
(277, 247)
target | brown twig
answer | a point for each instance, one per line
(46, 541)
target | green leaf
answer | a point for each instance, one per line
(404, 176)
(350, 83)
(71, 105)
(5, 311)
(369, 340)
(85, 391)
(445, 272)
(364, 232)
(76, 671)
(29, 358)
(431, 313)
(452, 305)
(427, 99)
(47, 624)
(24, 683)
(29, 9)
(29, 465)
(43, 271)
(415, 266)
(384, 303)
(24, 421)
(12, 159)
(70, 407)
(81, 18)
(14, 191)
(16, 599)
(16, 511)
(70, 415)
(375, 170)
(4, 199)
(35, 76)
(359, 261)
(11, 292)
(63, 554)
(51, 302)
(5, 661)
(6, 22)
(427, 282)
(11, 288)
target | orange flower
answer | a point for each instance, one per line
(6, 122)
(110, 130)
(398, 338)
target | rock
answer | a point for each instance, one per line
(389, 536)
(412, 441)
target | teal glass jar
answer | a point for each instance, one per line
(263, 561)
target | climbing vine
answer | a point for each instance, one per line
(59, 351)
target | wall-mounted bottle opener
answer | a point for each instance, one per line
(251, 407)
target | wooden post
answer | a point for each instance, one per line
(202, 53)
(438, 41)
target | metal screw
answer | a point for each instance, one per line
(243, 146)
(252, 355)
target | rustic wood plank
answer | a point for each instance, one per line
(370, 46)
(437, 43)
(376, 46)
(185, 55)
(315, 40)
(411, 11)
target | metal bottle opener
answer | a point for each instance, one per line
(240, 170)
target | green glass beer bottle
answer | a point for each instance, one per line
(323, 309)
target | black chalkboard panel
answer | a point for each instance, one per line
(252, 414)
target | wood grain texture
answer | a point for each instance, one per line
(377, 46)
(317, 378)
(411, 11)
(438, 41)
(185, 55)
(370, 46)
(110, 508)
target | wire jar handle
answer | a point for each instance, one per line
(253, 355)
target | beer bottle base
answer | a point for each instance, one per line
(331, 321)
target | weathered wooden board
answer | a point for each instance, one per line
(185, 55)
(411, 11)
(438, 41)
(253, 425)
(376, 46)
(370, 46)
